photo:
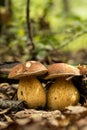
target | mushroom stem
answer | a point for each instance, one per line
(62, 94)
(32, 92)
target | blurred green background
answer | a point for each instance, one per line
(59, 25)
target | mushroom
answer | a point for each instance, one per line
(30, 89)
(62, 92)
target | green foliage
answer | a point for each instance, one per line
(59, 27)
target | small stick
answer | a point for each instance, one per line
(13, 104)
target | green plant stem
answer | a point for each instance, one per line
(72, 39)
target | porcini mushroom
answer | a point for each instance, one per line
(62, 92)
(30, 89)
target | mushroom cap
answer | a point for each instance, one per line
(27, 69)
(60, 70)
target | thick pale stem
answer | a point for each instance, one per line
(62, 94)
(32, 92)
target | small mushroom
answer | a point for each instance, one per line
(30, 89)
(62, 92)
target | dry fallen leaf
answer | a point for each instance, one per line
(76, 109)
(8, 119)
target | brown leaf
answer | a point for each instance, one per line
(3, 125)
(8, 119)
(76, 109)
(4, 111)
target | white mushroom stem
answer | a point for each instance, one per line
(62, 94)
(32, 92)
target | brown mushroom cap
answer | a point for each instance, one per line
(61, 69)
(27, 69)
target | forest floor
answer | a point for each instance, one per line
(16, 116)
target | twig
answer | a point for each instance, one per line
(29, 24)
(14, 105)
(72, 39)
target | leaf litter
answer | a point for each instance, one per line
(16, 116)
